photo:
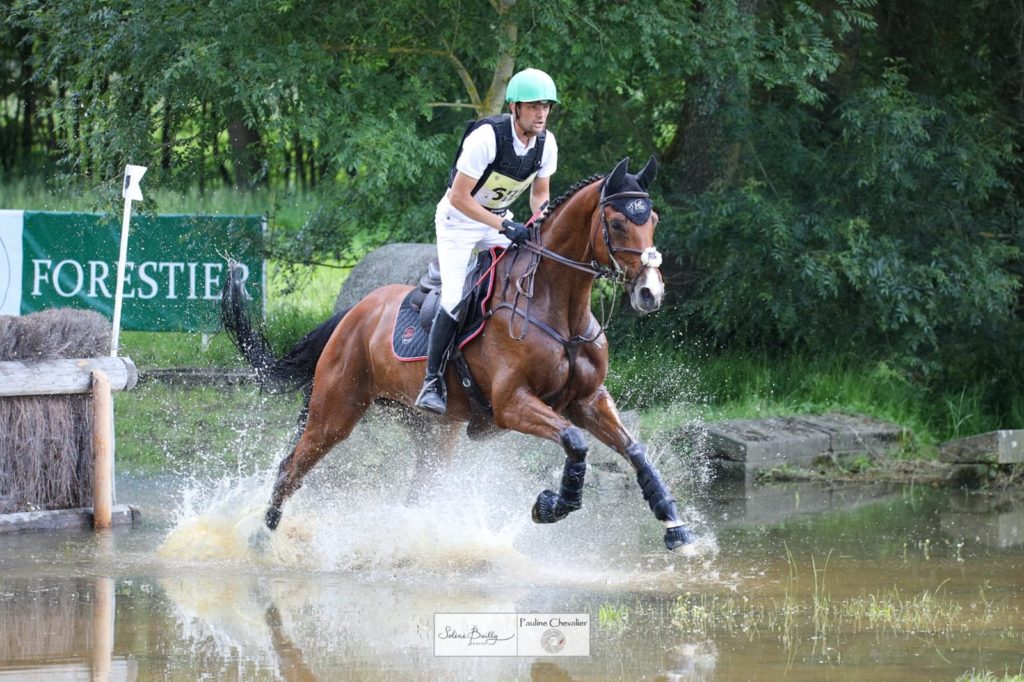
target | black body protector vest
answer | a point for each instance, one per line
(508, 176)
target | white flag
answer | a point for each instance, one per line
(132, 177)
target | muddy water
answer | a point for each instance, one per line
(792, 582)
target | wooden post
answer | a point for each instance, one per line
(102, 446)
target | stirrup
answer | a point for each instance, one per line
(432, 396)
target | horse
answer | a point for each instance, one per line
(539, 366)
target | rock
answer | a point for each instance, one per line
(994, 447)
(390, 264)
(751, 445)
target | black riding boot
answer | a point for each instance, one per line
(442, 333)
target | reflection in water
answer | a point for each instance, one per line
(102, 628)
(284, 622)
(739, 502)
(693, 662)
(992, 520)
(61, 630)
(543, 671)
(291, 663)
(320, 628)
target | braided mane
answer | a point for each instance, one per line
(552, 205)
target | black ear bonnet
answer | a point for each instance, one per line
(627, 193)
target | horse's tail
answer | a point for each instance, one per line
(288, 373)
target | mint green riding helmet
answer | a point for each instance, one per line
(531, 85)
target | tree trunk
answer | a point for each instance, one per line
(166, 134)
(696, 149)
(494, 101)
(246, 151)
(300, 163)
(28, 108)
(702, 152)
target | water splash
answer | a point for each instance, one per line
(472, 522)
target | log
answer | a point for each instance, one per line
(121, 515)
(62, 377)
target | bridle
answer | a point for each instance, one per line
(649, 257)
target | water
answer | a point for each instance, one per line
(795, 582)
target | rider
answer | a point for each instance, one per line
(498, 160)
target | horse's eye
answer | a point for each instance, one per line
(618, 225)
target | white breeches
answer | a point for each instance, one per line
(455, 246)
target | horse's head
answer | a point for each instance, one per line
(626, 222)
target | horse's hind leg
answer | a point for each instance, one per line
(433, 441)
(323, 430)
(300, 421)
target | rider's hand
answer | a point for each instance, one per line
(516, 232)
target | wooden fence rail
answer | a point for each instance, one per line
(62, 377)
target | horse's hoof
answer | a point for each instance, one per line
(544, 507)
(550, 508)
(273, 517)
(677, 537)
(259, 540)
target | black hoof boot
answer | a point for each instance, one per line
(544, 507)
(679, 537)
(550, 508)
(273, 517)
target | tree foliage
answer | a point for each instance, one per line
(910, 243)
(834, 171)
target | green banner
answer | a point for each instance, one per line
(173, 278)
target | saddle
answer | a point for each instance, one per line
(416, 315)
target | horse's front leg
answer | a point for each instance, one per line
(598, 415)
(526, 413)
